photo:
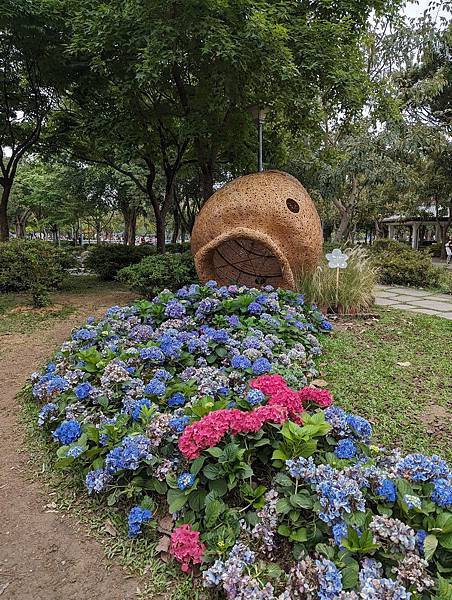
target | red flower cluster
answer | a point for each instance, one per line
(322, 398)
(280, 394)
(210, 430)
(186, 547)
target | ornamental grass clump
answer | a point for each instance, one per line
(356, 284)
(197, 407)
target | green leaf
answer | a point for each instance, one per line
(279, 454)
(176, 500)
(430, 544)
(215, 452)
(444, 589)
(301, 501)
(219, 485)
(283, 480)
(300, 535)
(350, 575)
(196, 500)
(212, 471)
(284, 530)
(283, 506)
(326, 550)
(445, 541)
(197, 465)
(213, 511)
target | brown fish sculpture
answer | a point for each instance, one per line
(260, 229)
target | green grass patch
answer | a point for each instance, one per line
(16, 316)
(366, 366)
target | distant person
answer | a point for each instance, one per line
(448, 251)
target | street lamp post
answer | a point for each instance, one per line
(259, 113)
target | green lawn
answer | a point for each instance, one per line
(410, 405)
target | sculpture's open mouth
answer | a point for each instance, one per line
(244, 258)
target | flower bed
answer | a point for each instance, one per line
(198, 405)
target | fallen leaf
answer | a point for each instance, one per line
(164, 544)
(319, 383)
(404, 364)
(165, 524)
(110, 528)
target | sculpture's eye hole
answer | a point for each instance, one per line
(292, 205)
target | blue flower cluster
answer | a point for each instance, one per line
(387, 491)
(185, 480)
(67, 432)
(442, 492)
(344, 424)
(137, 517)
(133, 450)
(345, 448)
(417, 467)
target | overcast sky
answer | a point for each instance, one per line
(416, 9)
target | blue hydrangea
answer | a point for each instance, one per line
(261, 366)
(185, 480)
(163, 375)
(337, 418)
(176, 399)
(155, 388)
(132, 451)
(254, 308)
(330, 579)
(137, 517)
(74, 452)
(254, 397)
(418, 467)
(360, 427)
(178, 424)
(97, 480)
(421, 534)
(175, 309)
(338, 494)
(376, 589)
(326, 325)
(83, 390)
(170, 346)
(153, 354)
(442, 493)
(84, 335)
(302, 468)
(47, 413)
(412, 501)
(387, 491)
(220, 336)
(340, 531)
(234, 321)
(137, 407)
(240, 362)
(68, 432)
(345, 449)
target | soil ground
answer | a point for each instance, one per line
(44, 555)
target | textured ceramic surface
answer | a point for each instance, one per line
(259, 229)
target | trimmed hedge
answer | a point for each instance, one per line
(161, 271)
(107, 259)
(25, 264)
(401, 265)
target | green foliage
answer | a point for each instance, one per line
(32, 265)
(399, 264)
(107, 259)
(169, 271)
(356, 284)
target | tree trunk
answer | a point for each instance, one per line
(206, 180)
(4, 228)
(129, 214)
(160, 231)
(343, 230)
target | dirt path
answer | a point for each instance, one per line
(43, 554)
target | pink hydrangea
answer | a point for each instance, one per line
(186, 547)
(289, 399)
(269, 384)
(210, 430)
(322, 398)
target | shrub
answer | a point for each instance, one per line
(401, 265)
(32, 265)
(161, 271)
(107, 259)
(188, 405)
(356, 283)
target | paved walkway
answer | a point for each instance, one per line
(418, 301)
